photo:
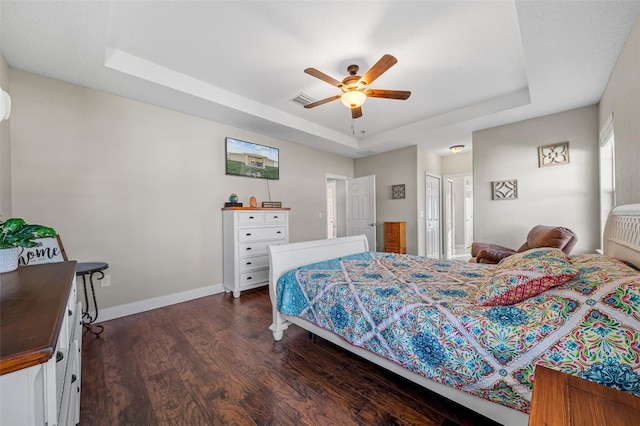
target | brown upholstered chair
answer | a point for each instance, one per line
(539, 236)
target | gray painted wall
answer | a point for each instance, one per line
(393, 168)
(141, 187)
(5, 149)
(563, 195)
(622, 97)
(402, 166)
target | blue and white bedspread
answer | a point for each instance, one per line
(421, 313)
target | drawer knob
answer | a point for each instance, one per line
(248, 248)
(275, 217)
(248, 263)
(248, 234)
(249, 278)
(251, 217)
(59, 356)
(279, 232)
(70, 312)
(73, 378)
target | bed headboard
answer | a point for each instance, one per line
(621, 238)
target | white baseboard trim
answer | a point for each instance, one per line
(119, 311)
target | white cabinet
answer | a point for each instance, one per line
(247, 232)
(40, 381)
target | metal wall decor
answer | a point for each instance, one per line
(554, 154)
(397, 192)
(505, 189)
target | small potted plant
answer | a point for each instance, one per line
(15, 234)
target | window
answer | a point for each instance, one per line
(607, 172)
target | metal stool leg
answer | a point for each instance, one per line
(88, 324)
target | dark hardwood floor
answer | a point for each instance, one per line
(213, 361)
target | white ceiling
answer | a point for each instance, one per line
(469, 64)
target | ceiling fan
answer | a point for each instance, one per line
(354, 88)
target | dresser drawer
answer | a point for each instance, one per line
(257, 248)
(257, 234)
(251, 263)
(275, 217)
(253, 277)
(245, 218)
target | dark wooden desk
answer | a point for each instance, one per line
(560, 399)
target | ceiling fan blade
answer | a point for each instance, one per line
(322, 101)
(322, 76)
(356, 112)
(389, 94)
(383, 64)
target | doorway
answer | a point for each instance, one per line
(336, 206)
(351, 207)
(458, 216)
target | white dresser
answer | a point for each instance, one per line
(247, 232)
(40, 362)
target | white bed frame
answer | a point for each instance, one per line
(622, 241)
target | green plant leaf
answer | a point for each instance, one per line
(16, 233)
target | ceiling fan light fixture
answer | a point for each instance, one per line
(456, 149)
(353, 98)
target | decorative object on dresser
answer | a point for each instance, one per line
(233, 201)
(272, 204)
(49, 250)
(15, 235)
(394, 237)
(246, 234)
(41, 346)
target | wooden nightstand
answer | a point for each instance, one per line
(394, 237)
(562, 399)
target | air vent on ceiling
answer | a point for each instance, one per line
(303, 99)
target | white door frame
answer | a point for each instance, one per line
(341, 205)
(449, 236)
(461, 206)
(439, 210)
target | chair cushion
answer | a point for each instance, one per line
(550, 236)
(524, 275)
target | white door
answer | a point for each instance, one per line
(361, 211)
(449, 239)
(468, 211)
(433, 217)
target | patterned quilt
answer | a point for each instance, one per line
(421, 313)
